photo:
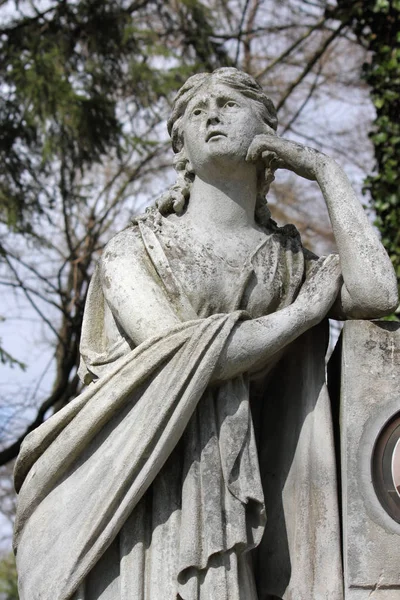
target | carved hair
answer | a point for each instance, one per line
(175, 199)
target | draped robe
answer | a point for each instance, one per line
(155, 484)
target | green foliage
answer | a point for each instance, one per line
(377, 25)
(66, 71)
(8, 578)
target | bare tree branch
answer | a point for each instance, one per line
(63, 388)
(311, 64)
(304, 103)
(31, 301)
(292, 47)
(240, 32)
(33, 292)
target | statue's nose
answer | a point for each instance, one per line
(213, 118)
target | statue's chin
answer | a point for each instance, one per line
(220, 156)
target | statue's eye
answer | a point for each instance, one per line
(230, 104)
(197, 112)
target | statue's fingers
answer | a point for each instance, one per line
(261, 143)
(269, 158)
(255, 151)
(278, 163)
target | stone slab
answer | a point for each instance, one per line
(370, 396)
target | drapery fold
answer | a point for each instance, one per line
(76, 486)
(155, 476)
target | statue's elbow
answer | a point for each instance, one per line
(378, 300)
(382, 303)
(391, 294)
(392, 303)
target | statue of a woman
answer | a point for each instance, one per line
(199, 462)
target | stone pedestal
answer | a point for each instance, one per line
(369, 407)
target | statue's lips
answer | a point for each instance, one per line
(213, 134)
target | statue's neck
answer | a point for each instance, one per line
(228, 204)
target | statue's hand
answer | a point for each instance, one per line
(321, 287)
(285, 154)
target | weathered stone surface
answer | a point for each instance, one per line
(370, 396)
(374, 594)
(199, 462)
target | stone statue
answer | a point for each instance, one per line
(199, 462)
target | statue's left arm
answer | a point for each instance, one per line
(369, 289)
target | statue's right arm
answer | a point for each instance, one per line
(142, 308)
(132, 288)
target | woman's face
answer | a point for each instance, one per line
(219, 125)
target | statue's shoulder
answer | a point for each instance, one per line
(127, 245)
(123, 243)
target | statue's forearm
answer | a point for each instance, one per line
(369, 289)
(253, 343)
